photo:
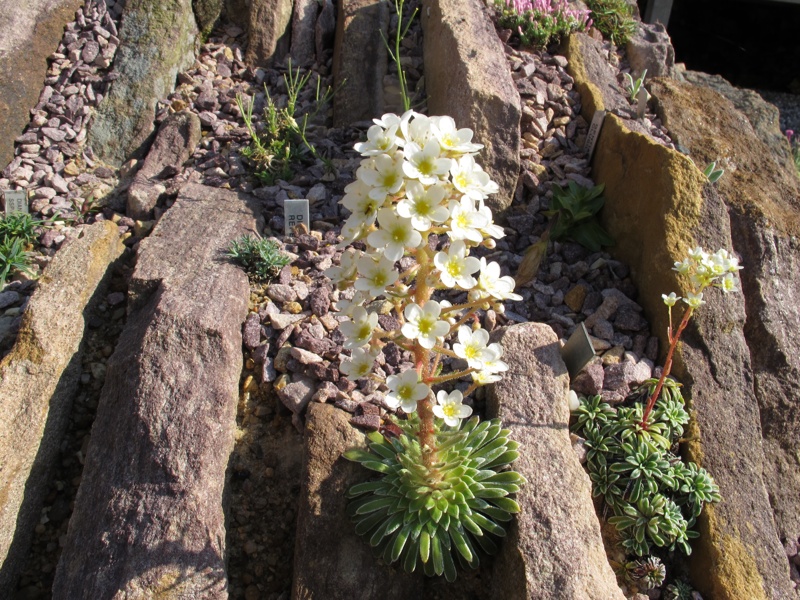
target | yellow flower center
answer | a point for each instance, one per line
(449, 410)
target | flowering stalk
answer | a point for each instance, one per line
(419, 177)
(704, 270)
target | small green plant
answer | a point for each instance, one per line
(260, 258)
(643, 574)
(614, 19)
(634, 85)
(281, 143)
(573, 216)
(712, 173)
(678, 590)
(539, 23)
(19, 226)
(794, 144)
(653, 497)
(394, 52)
(433, 515)
(13, 258)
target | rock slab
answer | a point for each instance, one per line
(762, 198)
(148, 518)
(156, 43)
(658, 206)
(175, 142)
(330, 561)
(553, 548)
(467, 78)
(29, 32)
(269, 27)
(359, 82)
(37, 380)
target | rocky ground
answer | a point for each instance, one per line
(574, 285)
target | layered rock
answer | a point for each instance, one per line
(466, 77)
(762, 198)
(658, 206)
(156, 43)
(175, 142)
(269, 28)
(330, 561)
(148, 517)
(29, 33)
(553, 548)
(37, 381)
(359, 82)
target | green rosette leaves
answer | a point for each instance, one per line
(434, 517)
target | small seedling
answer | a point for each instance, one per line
(634, 85)
(261, 259)
(13, 258)
(712, 173)
(573, 216)
(614, 19)
(19, 226)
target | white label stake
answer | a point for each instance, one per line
(295, 213)
(15, 201)
(594, 133)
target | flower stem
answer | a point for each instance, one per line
(422, 294)
(673, 343)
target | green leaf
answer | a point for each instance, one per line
(367, 523)
(358, 455)
(460, 543)
(424, 546)
(377, 504)
(400, 542)
(488, 525)
(365, 488)
(504, 459)
(506, 504)
(438, 559)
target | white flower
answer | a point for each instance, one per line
(698, 254)
(492, 364)
(425, 163)
(394, 236)
(384, 174)
(484, 377)
(353, 229)
(346, 269)
(683, 267)
(388, 120)
(423, 323)
(456, 267)
(727, 283)
(379, 140)
(452, 139)
(346, 307)
(358, 201)
(471, 180)
(472, 346)
(450, 408)
(359, 365)
(466, 222)
(416, 127)
(490, 229)
(694, 300)
(423, 206)
(490, 281)
(405, 390)
(671, 299)
(376, 275)
(358, 332)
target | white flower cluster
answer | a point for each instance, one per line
(419, 177)
(704, 270)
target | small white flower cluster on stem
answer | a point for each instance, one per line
(419, 177)
(704, 270)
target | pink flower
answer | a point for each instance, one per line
(789, 135)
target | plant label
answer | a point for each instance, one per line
(594, 133)
(295, 214)
(15, 201)
(578, 351)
